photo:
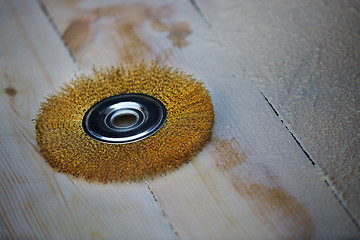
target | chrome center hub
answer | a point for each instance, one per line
(124, 118)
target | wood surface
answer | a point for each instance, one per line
(252, 181)
(37, 202)
(305, 58)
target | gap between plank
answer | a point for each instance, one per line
(198, 10)
(162, 211)
(331, 186)
(53, 25)
(298, 143)
(343, 205)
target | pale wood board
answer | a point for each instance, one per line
(252, 181)
(37, 202)
(305, 58)
(82, 11)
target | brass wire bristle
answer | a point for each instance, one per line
(66, 147)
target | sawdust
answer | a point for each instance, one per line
(280, 212)
(122, 27)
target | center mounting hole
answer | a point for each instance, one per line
(124, 120)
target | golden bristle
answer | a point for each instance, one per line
(66, 147)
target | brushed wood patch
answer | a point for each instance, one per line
(280, 212)
(121, 26)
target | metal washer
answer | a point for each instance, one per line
(100, 124)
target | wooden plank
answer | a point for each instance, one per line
(253, 180)
(37, 202)
(304, 56)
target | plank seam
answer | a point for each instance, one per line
(198, 10)
(163, 211)
(298, 143)
(53, 25)
(331, 186)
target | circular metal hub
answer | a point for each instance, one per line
(124, 118)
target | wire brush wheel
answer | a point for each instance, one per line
(166, 118)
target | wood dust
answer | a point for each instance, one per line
(280, 212)
(119, 33)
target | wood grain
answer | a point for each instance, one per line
(37, 202)
(252, 181)
(194, 198)
(304, 57)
